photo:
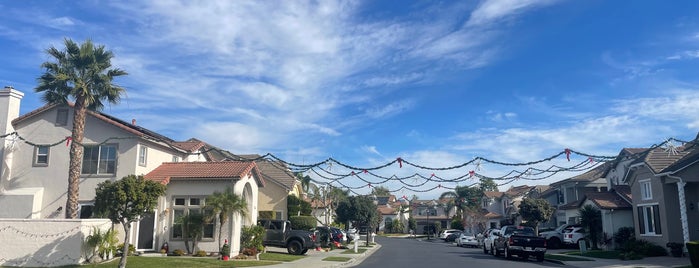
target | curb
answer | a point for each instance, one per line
(360, 258)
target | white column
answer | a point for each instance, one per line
(683, 211)
(10, 100)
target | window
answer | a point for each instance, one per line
(649, 219)
(175, 159)
(646, 193)
(41, 156)
(62, 117)
(183, 206)
(99, 159)
(142, 155)
(85, 210)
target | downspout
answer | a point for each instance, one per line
(683, 208)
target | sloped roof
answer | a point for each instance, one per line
(624, 191)
(607, 200)
(203, 171)
(191, 145)
(493, 194)
(518, 190)
(384, 210)
(271, 170)
(599, 171)
(492, 215)
(658, 159)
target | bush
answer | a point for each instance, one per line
(178, 252)
(249, 251)
(653, 250)
(302, 222)
(623, 235)
(200, 253)
(120, 248)
(251, 237)
(456, 224)
(643, 248)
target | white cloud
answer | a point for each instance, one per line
(371, 149)
(490, 11)
(390, 109)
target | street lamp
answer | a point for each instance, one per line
(429, 230)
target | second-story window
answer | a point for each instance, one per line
(142, 155)
(646, 190)
(62, 117)
(100, 159)
(41, 156)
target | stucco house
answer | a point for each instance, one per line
(665, 188)
(33, 181)
(188, 186)
(428, 212)
(494, 205)
(571, 191)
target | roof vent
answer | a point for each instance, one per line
(133, 121)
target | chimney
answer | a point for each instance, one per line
(133, 121)
(9, 110)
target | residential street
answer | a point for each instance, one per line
(404, 253)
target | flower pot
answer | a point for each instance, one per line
(225, 257)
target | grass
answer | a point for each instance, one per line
(175, 262)
(351, 251)
(274, 256)
(601, 254)
(338, 259)
(564, 258)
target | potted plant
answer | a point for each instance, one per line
(675, 248)
(225, 251)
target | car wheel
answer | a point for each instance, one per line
(540, 257)
(294, 248)
(485, 249)
(554, 242)
(304, 251)
(508, 254)
(494, 251)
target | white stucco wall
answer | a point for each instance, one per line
(45, 243)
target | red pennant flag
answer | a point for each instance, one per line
(432, 175)
(471, 173)
(353, 173)
(365, 172)
(567, 154)
(400, 162)
(592, 160)
(68, 140)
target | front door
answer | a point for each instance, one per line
(146, 238)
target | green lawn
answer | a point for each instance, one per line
(283, 257)
(338, 259)
(176, 262)
(351, 251)
(602, 254)
(564, 258)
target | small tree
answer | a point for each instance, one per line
(125, 201)
(397, 226)
(591, 220)
(412, 224)
(222, 205)
(534, 211)
(360, 209)
(192, 228)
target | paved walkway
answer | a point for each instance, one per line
(648, 262)
(315, 258)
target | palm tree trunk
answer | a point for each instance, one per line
(76, 158)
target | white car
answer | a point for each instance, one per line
(488, 238)
(467, 240)
(443, 235)
(572, 236)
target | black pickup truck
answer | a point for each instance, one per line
(520, 241)
(278, 233)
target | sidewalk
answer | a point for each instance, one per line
(315, 258)
(648, 262)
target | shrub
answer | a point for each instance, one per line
(120, 247)
(200, 253)
(249, 251)
(456, 224)
(225, 250)
(251, 237)
(623, 235)
(302, 222)
(653, 250)
(178, 252)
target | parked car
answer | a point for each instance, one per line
(327, 235)
(467, 240)
(278, 233)
(443, 235)
(521, 241)
(452, 237)
(489, 237)
(572, 236)
(554, 238)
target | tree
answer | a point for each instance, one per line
(222, 205)
(192, 225)
(591, 220)
(380, 191)
(412, 224)
(297, 207)
(81, 74)
(397, 226)
(488, 184)
(359, 209)
(125, 201)
(535, 210)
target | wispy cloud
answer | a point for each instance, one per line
(491, 11)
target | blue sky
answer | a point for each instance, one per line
(365, 82)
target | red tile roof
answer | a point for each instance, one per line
(387, 210)
(493, 194)
(204, 170)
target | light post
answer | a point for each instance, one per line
(429, 229)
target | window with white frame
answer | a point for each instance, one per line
(175, 158)
(100, 159)
(486, 202)
(189, 206)
(646, 190)
(142, 155)
(41, 156)
(649, 219)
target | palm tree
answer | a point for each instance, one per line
(591, 220)
(221, 205)
(82, 74)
